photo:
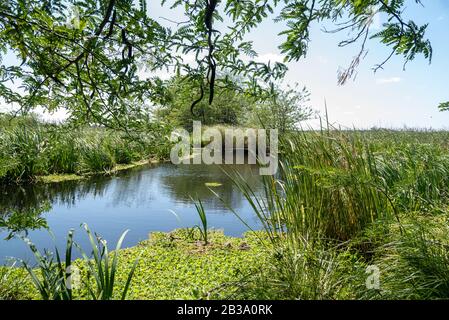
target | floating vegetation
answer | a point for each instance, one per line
(213, 184)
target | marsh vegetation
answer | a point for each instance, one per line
(350, 214)
(343, 201)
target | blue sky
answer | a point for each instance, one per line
(391, 98)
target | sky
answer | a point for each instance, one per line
(391, 98)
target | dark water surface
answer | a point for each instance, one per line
(140, 199)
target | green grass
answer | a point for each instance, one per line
(414, 264)
(345, 200)
(175, 265)
(342, 201)
(15, 284)
(30, 149)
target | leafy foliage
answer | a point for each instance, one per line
(14, 284)
(90, 56)
(444, 106)
(284, 111)
(279, 108)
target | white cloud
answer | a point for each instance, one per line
(388, 80)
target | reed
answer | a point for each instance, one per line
(53, 277)
(203, 229)
(333, 187)
(29, 148)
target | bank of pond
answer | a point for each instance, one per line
(348, 215)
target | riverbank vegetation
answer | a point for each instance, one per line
(349, 215)
(32, 150)
(345, 208)
(353, 207)
(175, 265)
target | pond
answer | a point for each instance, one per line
(144, 199)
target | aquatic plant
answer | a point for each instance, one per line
(53, 278)
(332, 187)
(52, 282)
(103, 267)
(203, 217)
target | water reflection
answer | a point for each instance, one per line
(139, 199)
(191, 180)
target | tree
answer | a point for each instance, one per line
(230, 106)
(284, 110)
(91, 64)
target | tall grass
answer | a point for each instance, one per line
(203, 229)
(21, 152)
(327, 186)
(63, 153)
(332, 188)
(95, 157)
(29, 148)
(414, 264)
(53, 277)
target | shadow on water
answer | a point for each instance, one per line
(141, 199)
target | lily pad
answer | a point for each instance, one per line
(213, 184)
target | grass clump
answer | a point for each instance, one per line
(346, 202)
(14, 284)
(414, 264)
(54, 278)
(30, 149)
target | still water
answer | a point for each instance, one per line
(145, 199)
